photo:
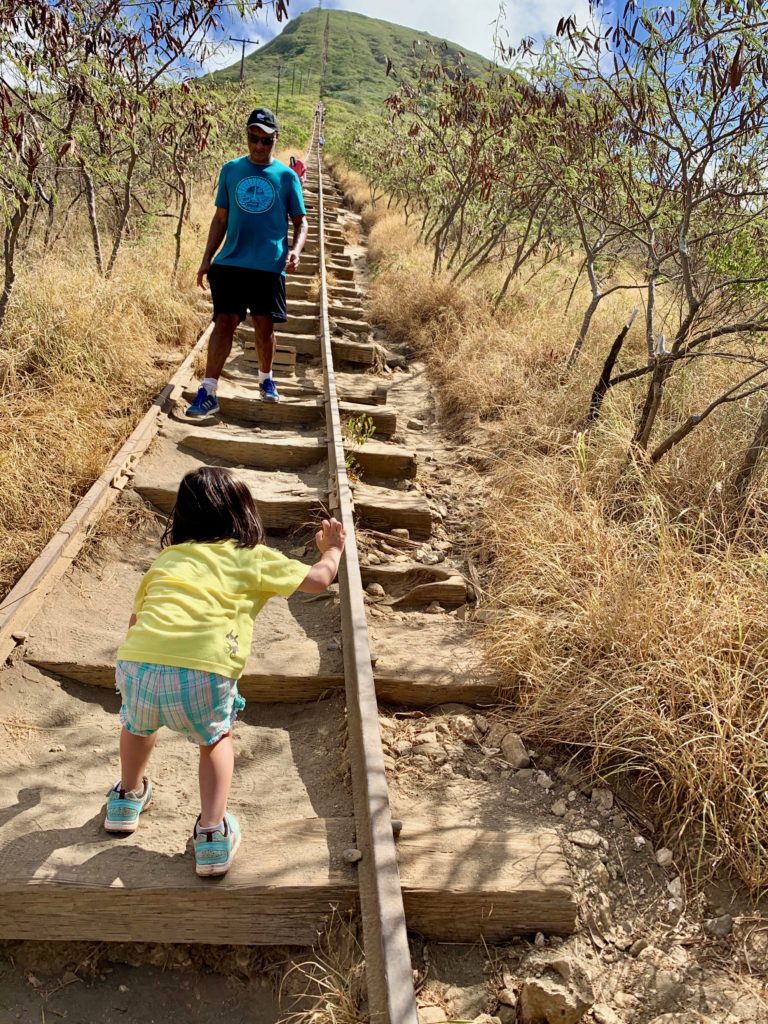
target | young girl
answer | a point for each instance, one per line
(188, 640)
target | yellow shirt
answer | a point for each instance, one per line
(196, 605)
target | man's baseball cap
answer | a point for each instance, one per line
(264, 119)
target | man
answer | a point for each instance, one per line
(255, 198)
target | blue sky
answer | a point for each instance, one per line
(466, 22)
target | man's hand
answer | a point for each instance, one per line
(293, 262)
(205, 266)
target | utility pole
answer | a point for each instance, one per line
(242, 53)
(324, 63)
(277, 97)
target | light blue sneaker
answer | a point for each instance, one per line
(123, 809)
(203, 405)
(215, 851)
(269, 391)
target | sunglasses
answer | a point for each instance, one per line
(261, 140)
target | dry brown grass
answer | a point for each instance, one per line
(78, 370)
(328, 985)
(630, 627)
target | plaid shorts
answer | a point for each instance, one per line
(202, 706)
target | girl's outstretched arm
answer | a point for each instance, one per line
(330, 542)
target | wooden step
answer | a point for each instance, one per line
(283, 500)
(421, 661)
(62, 878)
(384, 509)
(77, 635)
(384, 461)
(359, 389)
(345, 324)
(246, 449)
(297, 324)
(340, 311)
(340, 273)
(412, 585)
(299, 289)
(296, 411)
(344, 351)
(461, 884)
(343, 292)
(332, 249)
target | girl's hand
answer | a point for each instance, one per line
(330, 535)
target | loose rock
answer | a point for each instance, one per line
(557, 990)
(481, 722)
(513, 749)
(675, 887)
(463, 727)
(466, 1001)
(508, 997)
(559, 807)
(664, 857)
(431, 1015)
(401, 532)
(603, 1014)
(719, 927)
(586, 838)
(375, 590)
(415, 424)
(602, 799)
(432, 750)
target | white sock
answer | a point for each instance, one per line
(210, 384)
(133, 794)
(265, 376)
(209, 829)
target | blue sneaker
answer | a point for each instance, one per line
(203, 405)
(123, 809)
(269, 391)
(215, 851)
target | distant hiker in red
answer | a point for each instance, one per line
(300, 168)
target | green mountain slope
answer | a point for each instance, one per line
(358, 49)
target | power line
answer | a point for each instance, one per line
(242, 54)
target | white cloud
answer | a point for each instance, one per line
(470, 23)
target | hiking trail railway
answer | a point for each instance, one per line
(310, 782)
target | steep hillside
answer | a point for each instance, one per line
(358, 49)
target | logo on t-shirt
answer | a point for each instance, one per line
(255, 195)
(232, 643)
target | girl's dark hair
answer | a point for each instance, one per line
(212, 504)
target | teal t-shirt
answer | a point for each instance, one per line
(260, 199)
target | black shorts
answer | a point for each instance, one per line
(240, 290)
